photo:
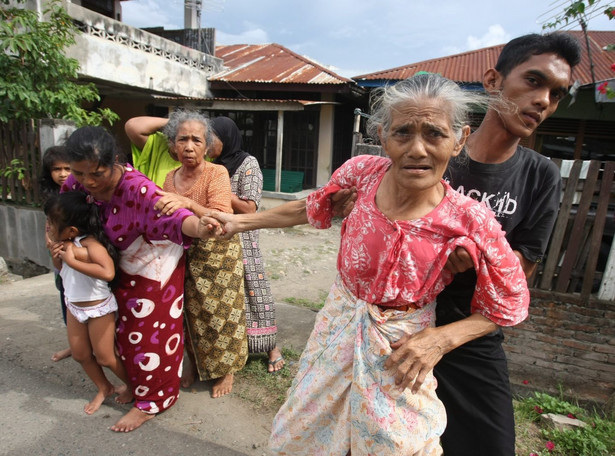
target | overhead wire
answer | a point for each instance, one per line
(560, 7)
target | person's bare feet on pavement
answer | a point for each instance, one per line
(223, 386)
(95, 403)
(132, 420)
(188, 372)
(124, 394)
(60, 355)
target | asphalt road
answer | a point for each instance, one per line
(41, 411)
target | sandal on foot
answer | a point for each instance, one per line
(273, 363)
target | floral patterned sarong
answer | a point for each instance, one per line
(343, 400)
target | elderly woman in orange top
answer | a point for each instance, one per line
(214, 292)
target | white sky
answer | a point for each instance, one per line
(355, 37)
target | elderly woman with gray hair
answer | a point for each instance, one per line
(214, 293)
(365, 382)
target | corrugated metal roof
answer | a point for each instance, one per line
(246, 100)
(469, 67)
(271, 63)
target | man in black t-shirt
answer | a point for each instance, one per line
(523, 189)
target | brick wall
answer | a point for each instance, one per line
(567, 345)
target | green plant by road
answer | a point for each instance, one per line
(38, 79)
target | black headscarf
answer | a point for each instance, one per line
(232, 156)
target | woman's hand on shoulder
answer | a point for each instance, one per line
(170, 202)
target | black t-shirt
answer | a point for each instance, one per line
(524, 193)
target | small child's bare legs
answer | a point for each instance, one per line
(81, 350)
(102, 336)
(188, 368)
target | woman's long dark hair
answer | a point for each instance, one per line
(92, 144)
(74, 209)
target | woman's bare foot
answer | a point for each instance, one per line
(124, 395)
(188, 373)
(223, 386)
(132, 420)
(276, 360)
(95, 403)
(60, 355)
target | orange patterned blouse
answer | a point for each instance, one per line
(212, 190)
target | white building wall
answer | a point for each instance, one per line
(325, 143)
(109, 50)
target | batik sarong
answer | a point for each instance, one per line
(215, 308)
(342, 399)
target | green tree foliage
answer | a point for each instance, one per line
(37, 80)
(576, 11)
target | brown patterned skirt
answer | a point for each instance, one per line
(215, 308)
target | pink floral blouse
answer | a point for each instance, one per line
(400, 262)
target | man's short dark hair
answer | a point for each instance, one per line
(522, 48)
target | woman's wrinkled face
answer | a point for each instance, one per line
(190, 144)
(96, 178)
(420, 143)
(59, 172)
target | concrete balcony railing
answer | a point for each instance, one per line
(113, 52)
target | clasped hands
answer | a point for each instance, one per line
(222, 225)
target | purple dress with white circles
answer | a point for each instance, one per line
(150, 293)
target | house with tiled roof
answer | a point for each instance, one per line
(295, 115)
(583, 125)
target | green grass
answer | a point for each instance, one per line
(264, 390)
(597, 438)
(314, 305)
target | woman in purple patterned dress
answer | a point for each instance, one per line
(151, 271)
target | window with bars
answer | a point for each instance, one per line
(300, 145)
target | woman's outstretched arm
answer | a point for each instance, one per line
(287, 214)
